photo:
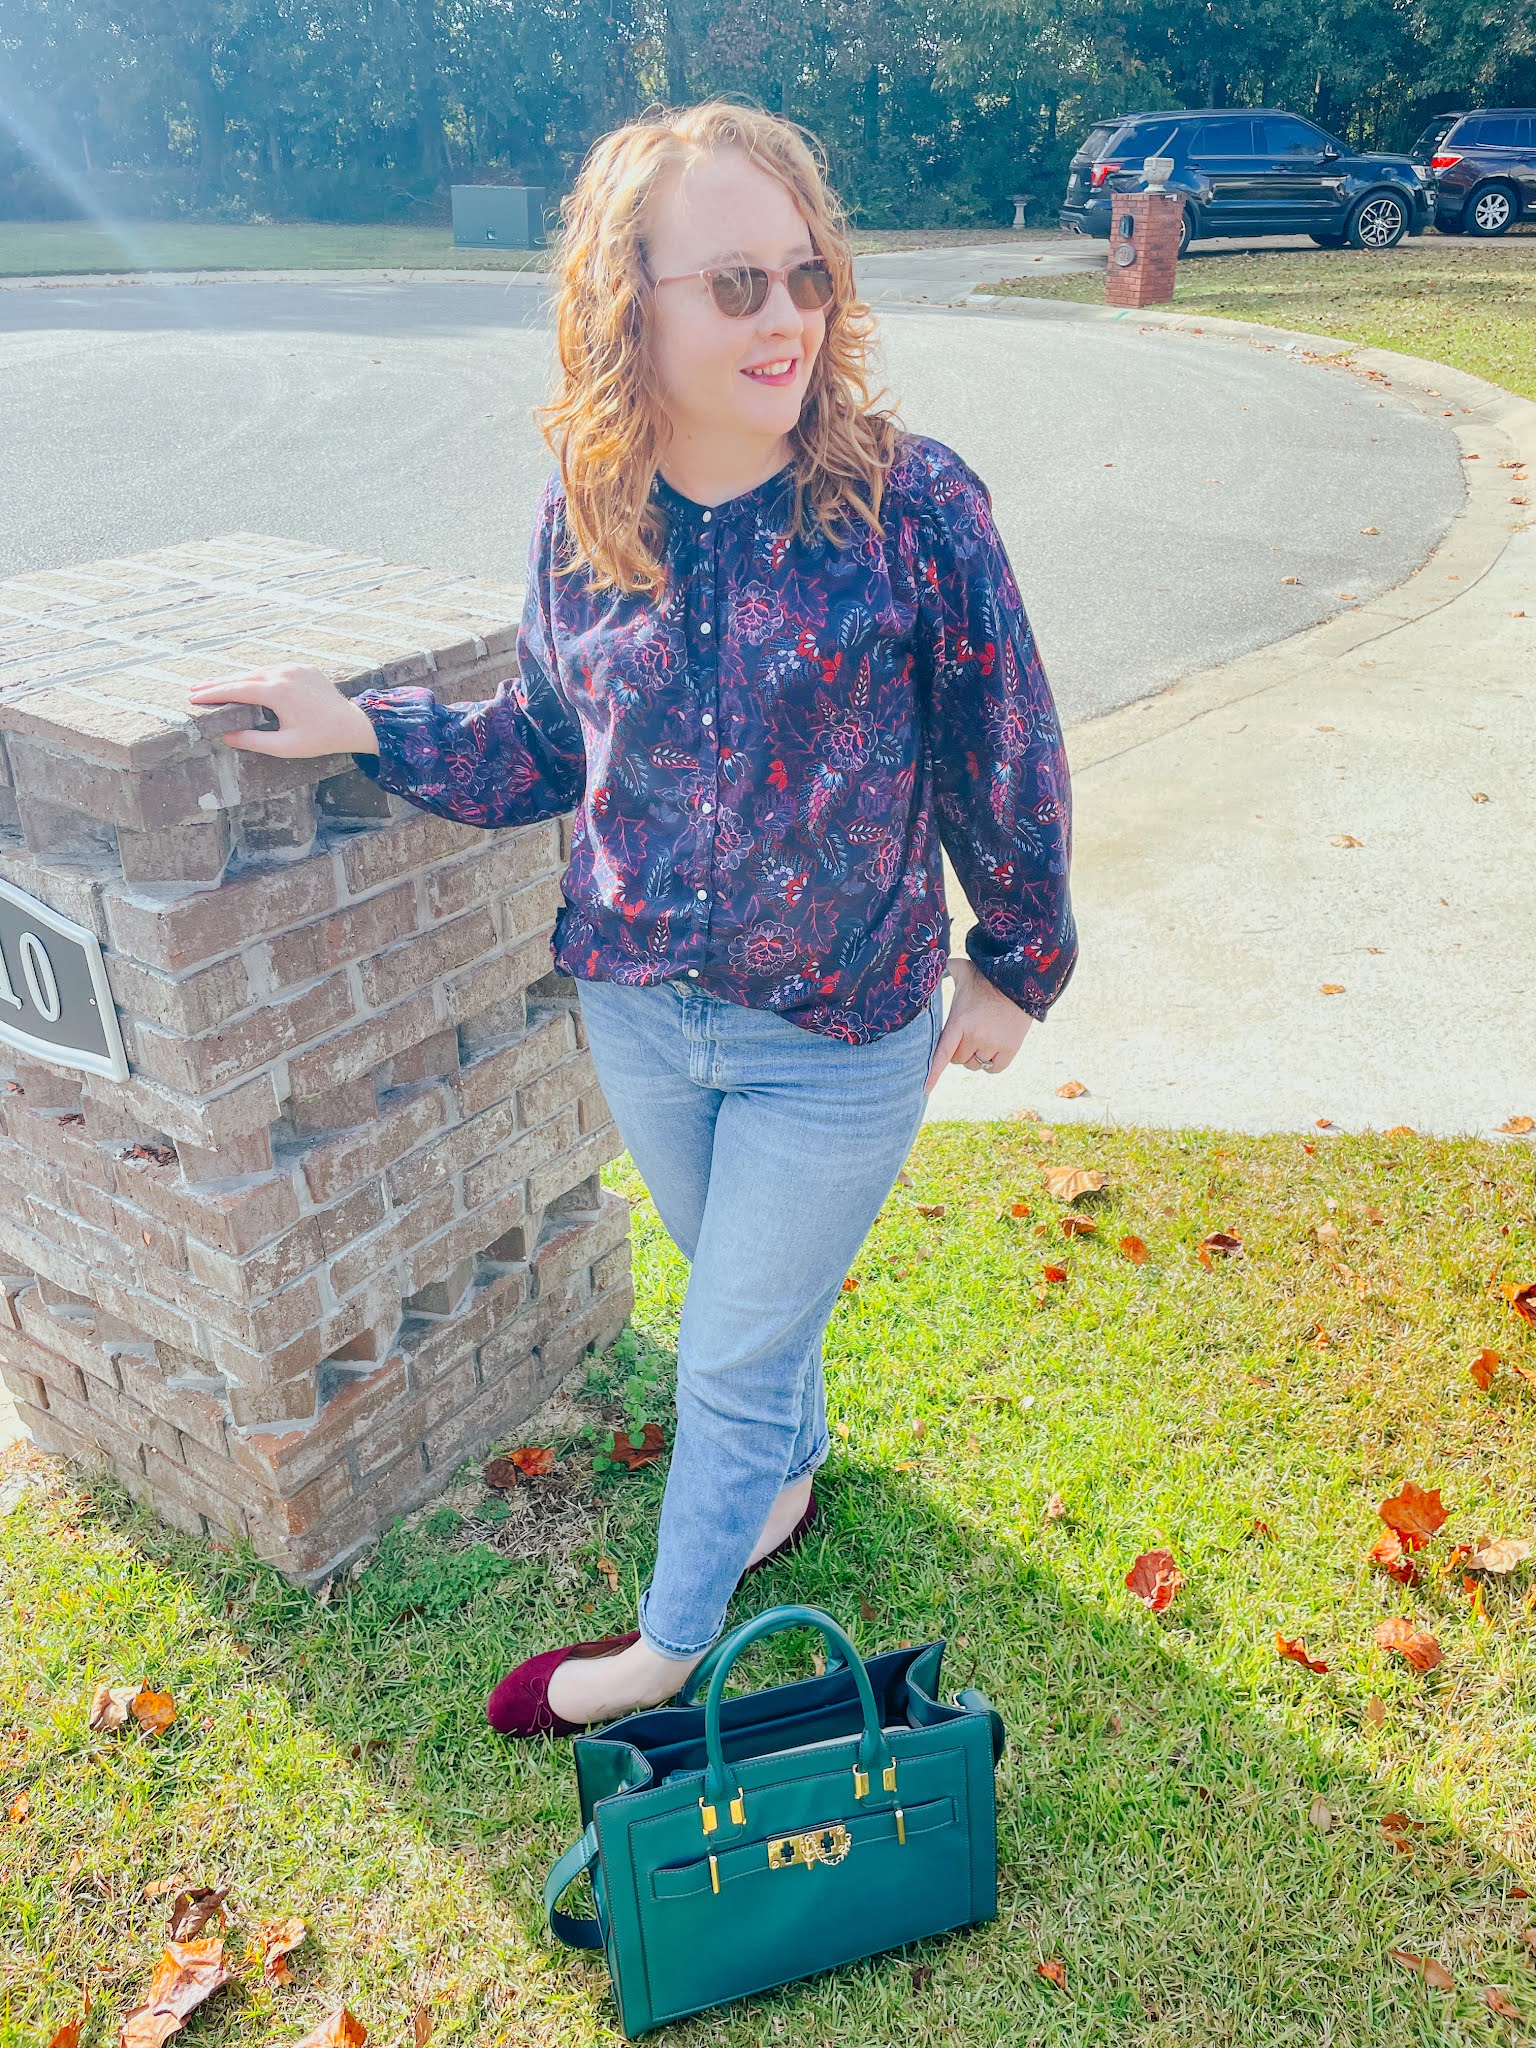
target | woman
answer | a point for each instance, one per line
(772, 653)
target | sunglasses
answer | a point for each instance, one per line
(739, 289)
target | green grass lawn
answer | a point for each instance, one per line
(1469, 304)
(64, 248)
(1161, 1835)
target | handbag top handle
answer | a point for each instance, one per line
(874, 1751)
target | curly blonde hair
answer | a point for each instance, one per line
(606, 423)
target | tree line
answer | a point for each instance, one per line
(934, 113)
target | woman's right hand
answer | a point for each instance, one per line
(313, 717)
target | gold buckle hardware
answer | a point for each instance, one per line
(714, 1874)
(901, 1828)
(815, 1845)
(712, 1819)
(860, 1783)
(888, 1777)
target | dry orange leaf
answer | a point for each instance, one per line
(1320, 1814)
(1483, 1368)
(1414, 1646)
(607, 1569)
(1055, 1274)
(650, 1447)
(1375, 1710)
(533, 1460)
(1495, 2001)
(930, 1208)
(1055, 1508)
(1134, 1250)
(339, 2030)
(1387, 1551)
(1330, 988)
(19, 1808)
(68, 2035)
(192, 1910)
(1078, 1226)
(1518, 1126)
(1071, 1090)
(1521, 1299)
(187, 1973)
(1414, 1514)
(849, 1284)
(1154, 1578)
(1066, 1184)
(1434, 1975)
(278, 1939)
(1296, 1650)
(1054, 1972)
(154, 1711)
(1345, 839)
(421, 2027)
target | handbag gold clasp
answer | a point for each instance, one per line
(815, 1845)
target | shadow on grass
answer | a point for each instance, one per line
(1154, 1830)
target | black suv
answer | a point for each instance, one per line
(1482, 167)
(1260, 172)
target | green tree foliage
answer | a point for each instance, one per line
(934, 112)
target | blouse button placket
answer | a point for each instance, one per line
(709, 679)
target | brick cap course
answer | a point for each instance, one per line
(96, 659)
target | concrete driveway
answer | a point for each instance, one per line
(1154, 490)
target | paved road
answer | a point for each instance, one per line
(1154, 489)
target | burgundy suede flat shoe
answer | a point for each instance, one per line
(792, 1541)
(520, 1704)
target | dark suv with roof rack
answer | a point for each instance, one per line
(1482, 167)
(1258, 172)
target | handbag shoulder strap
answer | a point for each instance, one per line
(566, 1927)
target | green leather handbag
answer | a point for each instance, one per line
(756, 1840)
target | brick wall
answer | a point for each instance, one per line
(342, 1224)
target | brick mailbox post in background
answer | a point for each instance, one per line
(1144, 235)
(300, 1141)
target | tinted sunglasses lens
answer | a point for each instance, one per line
(810, 284)
(738, 292)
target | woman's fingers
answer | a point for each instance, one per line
(238, 690)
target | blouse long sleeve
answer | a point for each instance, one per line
(1001, 787)
(511, 760)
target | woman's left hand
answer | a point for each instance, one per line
(982, 1025)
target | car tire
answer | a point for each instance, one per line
(1189, 227)
(1490, 211)
(1333, 241)
(1378, 221)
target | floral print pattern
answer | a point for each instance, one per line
(765, 762)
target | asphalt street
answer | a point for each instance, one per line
(1155, 490)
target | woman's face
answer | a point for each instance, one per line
(712, 367)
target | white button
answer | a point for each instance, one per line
(703, 892)
(705, 627)
(707, 805)
(707, 517)
(709, 718)
(694, 972)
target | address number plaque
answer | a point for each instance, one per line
(54, 998)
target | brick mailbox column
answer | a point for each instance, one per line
(1143, 248)
(300, 1140)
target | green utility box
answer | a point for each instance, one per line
(498, 216)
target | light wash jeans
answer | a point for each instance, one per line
(768, 1151)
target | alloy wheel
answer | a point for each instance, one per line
(1491, 213)
(1380, 223)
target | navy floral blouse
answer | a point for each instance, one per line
(764, 762)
